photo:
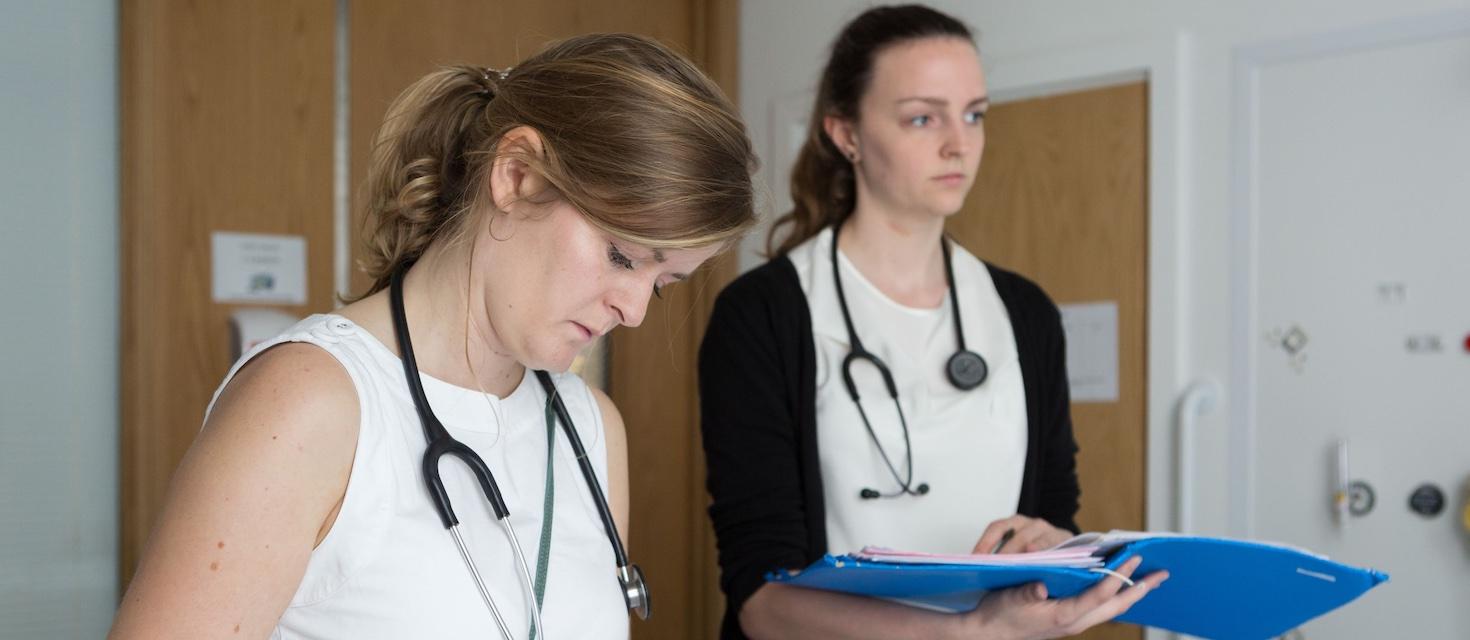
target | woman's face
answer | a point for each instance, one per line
(920, 129)
(553, 282)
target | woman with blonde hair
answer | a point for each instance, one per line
(413, 464)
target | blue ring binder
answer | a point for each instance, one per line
(1217, 588)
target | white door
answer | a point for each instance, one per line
(1355, 315)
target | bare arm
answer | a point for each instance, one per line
(617, 465)
(784, 611)
(617, 461)
(256, 492)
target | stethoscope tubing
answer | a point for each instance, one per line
(971, 366)
(585, 465)
(440, 444)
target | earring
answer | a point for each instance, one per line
(852, 157)
(491, 225)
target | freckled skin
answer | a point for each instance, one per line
(214, 566)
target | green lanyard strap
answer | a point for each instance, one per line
(543, 553)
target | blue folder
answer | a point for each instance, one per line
(1216, 588)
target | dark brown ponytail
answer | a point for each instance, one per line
(823, 183)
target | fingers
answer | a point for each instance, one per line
(1099, 594)
(995, 531)
(1116, 599)
(1031, 536)
(1052, 539)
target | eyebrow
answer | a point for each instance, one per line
(940, 102)
(659, 257)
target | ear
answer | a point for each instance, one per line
(843, 133)
(511, 178)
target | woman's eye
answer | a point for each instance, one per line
(616, 257)
(974, 117)
(919, 121)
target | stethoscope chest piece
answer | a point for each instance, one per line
(635, 591)
(966, 370)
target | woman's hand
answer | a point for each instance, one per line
(1028, 534)
(1024, 612)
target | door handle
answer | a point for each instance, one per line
(1201, 396)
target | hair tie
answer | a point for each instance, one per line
(490, 80)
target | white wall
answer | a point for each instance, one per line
(783, 46)
(59, 325)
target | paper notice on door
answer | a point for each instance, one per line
(258, 268)
(1092, 350)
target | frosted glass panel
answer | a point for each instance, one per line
(58, 328)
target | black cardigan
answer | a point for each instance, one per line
(757, 388)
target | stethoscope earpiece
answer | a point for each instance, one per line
(873, 494)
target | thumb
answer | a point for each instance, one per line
(1037, 592)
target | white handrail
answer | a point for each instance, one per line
(1199, 398)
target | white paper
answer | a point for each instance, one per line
(1092, 350)
(259, 268)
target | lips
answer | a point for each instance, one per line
(587, 334)
(951, 179)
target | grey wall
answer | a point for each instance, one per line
(58, 348)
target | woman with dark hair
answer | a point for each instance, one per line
(512, 217)
(875, 383)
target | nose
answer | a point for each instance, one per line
(956, 141)
(629, 301)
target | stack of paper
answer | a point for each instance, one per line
(1079, 557)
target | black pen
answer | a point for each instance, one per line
(1004, 538)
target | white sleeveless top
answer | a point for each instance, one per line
(389, 569)
(969, 446)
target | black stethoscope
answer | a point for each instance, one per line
(630, 577)
(965, 370)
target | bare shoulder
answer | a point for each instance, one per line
(293, 387)
(249, 501)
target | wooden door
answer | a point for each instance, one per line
(226, 126)
(1062, 199)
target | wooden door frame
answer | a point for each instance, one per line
(715, 47)
(1162, 61)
